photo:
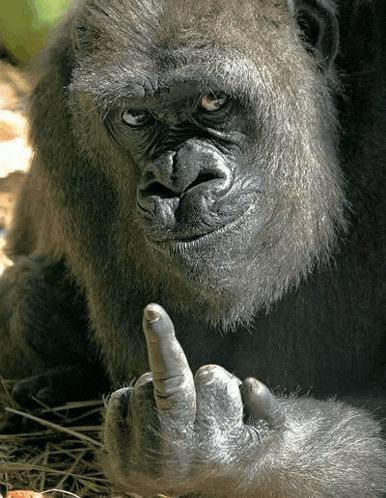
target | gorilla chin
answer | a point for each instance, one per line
(210, 271)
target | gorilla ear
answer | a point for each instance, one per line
(319, 24)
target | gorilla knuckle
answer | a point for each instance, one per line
(144, 382)
(213, 374)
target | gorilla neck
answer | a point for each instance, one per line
(209, 292)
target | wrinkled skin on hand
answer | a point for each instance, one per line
(173, 429)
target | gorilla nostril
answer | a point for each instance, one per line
(157, 189)
(205, 176)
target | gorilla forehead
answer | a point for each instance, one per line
(152, 52)
(141, 25)
(215, 69)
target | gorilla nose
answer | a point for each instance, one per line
(197, 168)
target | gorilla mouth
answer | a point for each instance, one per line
(195, 218)
(177, 240)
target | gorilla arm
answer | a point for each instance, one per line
(44, 334)
(175, 434)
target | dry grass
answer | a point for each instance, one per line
(60, 451)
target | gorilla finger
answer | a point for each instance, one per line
(24, 392)
(143, 395)
(261, 403)
(218, 397)
(120, 400)
(130, 411)
(117, 429)
(173, 380)
(144, 384)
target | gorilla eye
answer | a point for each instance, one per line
(212, 102)
(136, 117)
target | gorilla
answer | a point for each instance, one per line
(207, 156)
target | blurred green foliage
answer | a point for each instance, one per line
(25, 24)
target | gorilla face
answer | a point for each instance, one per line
(197, 191)
(224, 157)
(190, 148)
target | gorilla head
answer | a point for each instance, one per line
(221, 154)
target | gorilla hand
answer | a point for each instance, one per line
(173, 433)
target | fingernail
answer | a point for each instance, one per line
(152, 313)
